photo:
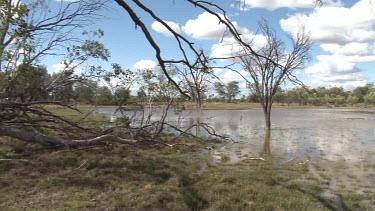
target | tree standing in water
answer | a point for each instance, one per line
(272, 65)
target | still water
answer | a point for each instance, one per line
(339, 141)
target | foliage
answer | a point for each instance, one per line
(85, 91)
(123, 121)
(122, 95)
(104, 96)
(321, 96)
(229, 91)
(369, 98)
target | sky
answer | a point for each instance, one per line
(343, 32)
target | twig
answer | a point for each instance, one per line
(84, 162)
(260, 158)
(290, 159)
(301, 163)
(21, 160)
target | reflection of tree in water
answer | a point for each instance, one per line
(233, 127)
(218, 127)
(266, 150)
(195, 121)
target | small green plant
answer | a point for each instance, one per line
(7, 155)
(123, 121)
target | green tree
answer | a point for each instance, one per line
(122, 95)
(352, 100)
(369, 98)
(61, 86)
(361, 91)
(104, 96)
(85, 92)
(30, 82)
(229, 91)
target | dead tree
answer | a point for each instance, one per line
(194, 80)
(275, 65)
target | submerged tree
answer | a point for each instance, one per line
(273, 65)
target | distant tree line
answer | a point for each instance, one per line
(34, 81)
(335, 96)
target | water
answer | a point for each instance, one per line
(339, 141)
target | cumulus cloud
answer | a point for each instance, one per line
(207, 27)
(157, 26)
(347, 34)
(145, 64)
(350, 49)
(338, 70)
(338, 25)
(277, 4)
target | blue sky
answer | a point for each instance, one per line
(343, 32)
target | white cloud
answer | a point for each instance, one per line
(338, 70)
(348, 34)
(145, 64)
(163, 30)
(338, 25)
(350, 49)
(277, 4)
(206, 26)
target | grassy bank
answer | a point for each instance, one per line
(134, 177)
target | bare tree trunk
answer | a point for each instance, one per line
(267, 116)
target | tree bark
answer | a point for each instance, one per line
(267, 116)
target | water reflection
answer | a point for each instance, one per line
(327, 135)
(266, 150)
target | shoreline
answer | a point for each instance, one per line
(239, 106)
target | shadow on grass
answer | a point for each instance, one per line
(149, 179)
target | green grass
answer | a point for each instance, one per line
(136, 177)
(84, 115)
